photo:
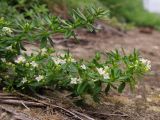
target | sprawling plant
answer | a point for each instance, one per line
(44, 68)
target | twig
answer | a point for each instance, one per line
(16, 115)
(59, 41)
(83, 115)
(3, 116)
(42, 97)
(51, 42)
(19, 102)
(9, 97)
(51, 105)
(47, 88)
(26, 42)
(105, 114)
(26, 106)
(124, 53)
(5, 94)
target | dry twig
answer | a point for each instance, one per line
(61, 109)
(83, 115)
(19, 102)
(106, 114)
(16, 115)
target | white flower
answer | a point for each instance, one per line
(9, 63)
(146, 62)
(102, 72)
(34, 64)
(83, 67)
(106, 76)
(62, 55)
(75, 80)
(6, 30)
(94, 80)
(27, 64)
(72, 60)
(43, 51)
(3, 59)
(139, 96)
(9, 48)
(39, 78)
(24, 80)
(149, 100)
(58, 61)
(20, 59)
(106, 67)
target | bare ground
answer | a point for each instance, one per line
(143, 104)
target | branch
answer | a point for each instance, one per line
(16, 115)
(21, 102)
(61, 109)
(106, 114)
(83, 115)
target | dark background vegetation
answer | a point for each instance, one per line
(125, 11)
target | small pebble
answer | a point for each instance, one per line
(139, 96)
(149, 100)
(136, 86)
(156, 47)
(152, 93)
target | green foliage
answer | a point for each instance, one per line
(37, 24)
(19, 71)
(24, 72)
(44, 68)
(72, 4)
(132, 12)
(126, 11)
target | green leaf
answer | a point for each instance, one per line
(90, 27)
(43, 42)
(121, 87)
(132, 84)
(71, 68)
(80, 14)
(18, 47)
(98, 56)
(107, 89)
(68, 34)
(82, 88)
(22, 47)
